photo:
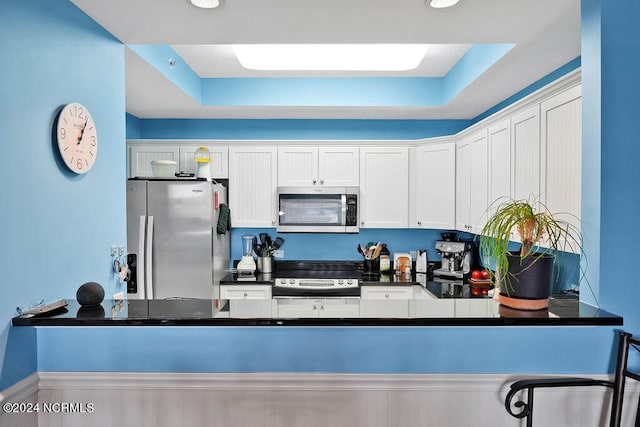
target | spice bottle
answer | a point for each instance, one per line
(385, 259)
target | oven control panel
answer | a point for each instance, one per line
(325, 284)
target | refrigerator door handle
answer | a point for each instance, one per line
(141, 255)
(149, 261)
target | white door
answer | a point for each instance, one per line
(252, 186)
(561, 140)
(478, 202)
(219, 160)
(434, 196)
(339, 166)
(463, 182)
(140, 157)
(384, 193)
(525, 155)
(499, 146)
(297, 166)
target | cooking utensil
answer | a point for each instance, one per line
(277, 243)
(263, 237)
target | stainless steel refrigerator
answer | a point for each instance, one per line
(174, 249)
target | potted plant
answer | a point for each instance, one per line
(524, 277)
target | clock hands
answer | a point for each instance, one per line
(83, 128)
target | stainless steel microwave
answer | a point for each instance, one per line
(318, 209)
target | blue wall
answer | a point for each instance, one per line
(41, 260)
(57, 227)
(620, 174)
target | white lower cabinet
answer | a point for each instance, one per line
(317, 307)
(385, 301)
(248, 301)
(432, 186)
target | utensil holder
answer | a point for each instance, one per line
(265, 264)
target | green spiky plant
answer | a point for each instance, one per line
(539, 231)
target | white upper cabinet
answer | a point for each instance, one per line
(219, 159)
(432, 186)
(339, 166)
(321, 166)
(561, 147)
(471, 182)
(141, 156)
(525, 154)
(252, 186)
(384, 194)
(499, 146)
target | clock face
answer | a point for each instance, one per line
(77, 138)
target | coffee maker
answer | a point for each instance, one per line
(456, 258)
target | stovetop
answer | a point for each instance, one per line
(316, 270)
(316, 278)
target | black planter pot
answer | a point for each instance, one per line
(529, 278)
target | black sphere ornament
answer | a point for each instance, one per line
(90, 294)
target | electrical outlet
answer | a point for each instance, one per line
(120, 250)
(113, 250)
(278, 253)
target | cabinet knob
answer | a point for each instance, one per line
(245, 294)
(321, 181)
(273, 223)
(362, 223)
(314, 182)
(419, 222)
(386, 295)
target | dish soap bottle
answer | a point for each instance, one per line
(385, 259)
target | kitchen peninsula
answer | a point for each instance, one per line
(394, 300)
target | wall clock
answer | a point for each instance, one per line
(77, 138)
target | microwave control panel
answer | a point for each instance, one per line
(352, 210)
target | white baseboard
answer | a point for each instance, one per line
(23, 392)
(301, 399)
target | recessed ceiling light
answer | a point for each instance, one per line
(330, 57)
(439, 4)
(206, 4)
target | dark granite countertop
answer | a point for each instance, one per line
(468, 312)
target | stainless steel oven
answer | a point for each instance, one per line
(318, 209)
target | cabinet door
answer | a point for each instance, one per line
(384, 193)
(297, 308)
(245, 292)
(499, 145)
(387, 292)
(525, 155)
(478, 201)
(219, 160)
(463, 182)
(339, 166)
(561, 140)
(297, 166)
(339, 307)
(140, 157)
(252, 186)
(434, 196)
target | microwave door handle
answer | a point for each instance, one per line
(343, 200)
